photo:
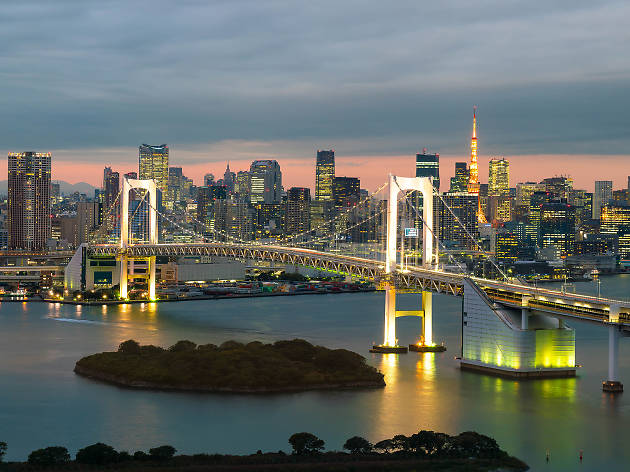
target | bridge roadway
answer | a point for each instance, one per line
(516, 295)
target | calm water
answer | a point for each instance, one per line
(43, 403)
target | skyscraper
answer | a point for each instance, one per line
(266, 182)
(428, 165)
(243, 184)
(229, 178)
(111, 187)
(557, 227)
(601, 196)
(324, 175)
(499, 189)
(298, 214)
(154, 164)
(29, 200)
(459, 183)
(346, 191)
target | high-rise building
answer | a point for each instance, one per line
(131, 175)
(498, 177)
(458, 225)
(208, 179)
(346, 191)
(499, 190)
(269, 220)
(175, 181)
(207, 196)
(88, 216)
(242, 186)
(154, 165)
(28, 200)
(557, 227)
(601, 196)
(55, 193)
(298, 215)
(459, 183)
(229, 179)
(266, 182)
(559, 187)
(111, 202)
(428, 165)
(615, 220)
(525, 190)
(321, 217)
(324, 175)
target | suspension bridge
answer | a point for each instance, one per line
(508, 327)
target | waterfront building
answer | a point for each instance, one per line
(153, 164)
(428, 165)
(324, 175)
(582, 201)
(601, 196)
(557, 227)
(266, 182)
(298, 214)
(615, 220)
(346, 191)
(452, 230)
(28, 200)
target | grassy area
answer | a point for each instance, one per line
(232, 366)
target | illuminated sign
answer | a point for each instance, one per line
(411, 232)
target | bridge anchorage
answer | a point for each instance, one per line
(424, 185)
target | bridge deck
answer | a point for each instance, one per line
(552, 302)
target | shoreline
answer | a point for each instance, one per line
(192, 299)
(143, 385)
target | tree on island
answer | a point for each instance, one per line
(162, 453)
(129, 347)
(49, 456)
(97, 454)
(427, 442)
(358, 445)
(306, 443)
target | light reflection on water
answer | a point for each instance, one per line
(44, 403)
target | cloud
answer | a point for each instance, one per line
(385, 78)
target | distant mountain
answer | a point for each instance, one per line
(66, 188)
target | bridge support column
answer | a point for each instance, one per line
(426, 343)
(524, 319)
(152, 296)
(612, 384)
(390, 343)
(123, 276)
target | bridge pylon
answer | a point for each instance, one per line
(424, 185)
(149, 186)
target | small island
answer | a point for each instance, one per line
(283, 366)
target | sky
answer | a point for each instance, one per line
(377, 81)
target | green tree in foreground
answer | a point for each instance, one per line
(49, 456)
(97, 454)
(358, 445)
(305, 443)
(162, 453)
(3, 449)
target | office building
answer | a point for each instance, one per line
(28, 200)
(322, 213)
(154, 165)
(459, 183)
(269, 220)
(557, 227)
(298, 214)
(242, 186)
(498, 177)
(558, 187)
(175, 181)
(346, 191)
(229, 179)
(458, 228)
(601, 196)
(88, 220)
(525, 190)
(615, 220)
(208, 179)
(428, 165)
(266, 182)
(324, 175)
(206, 198)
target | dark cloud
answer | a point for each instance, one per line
(549, 78)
